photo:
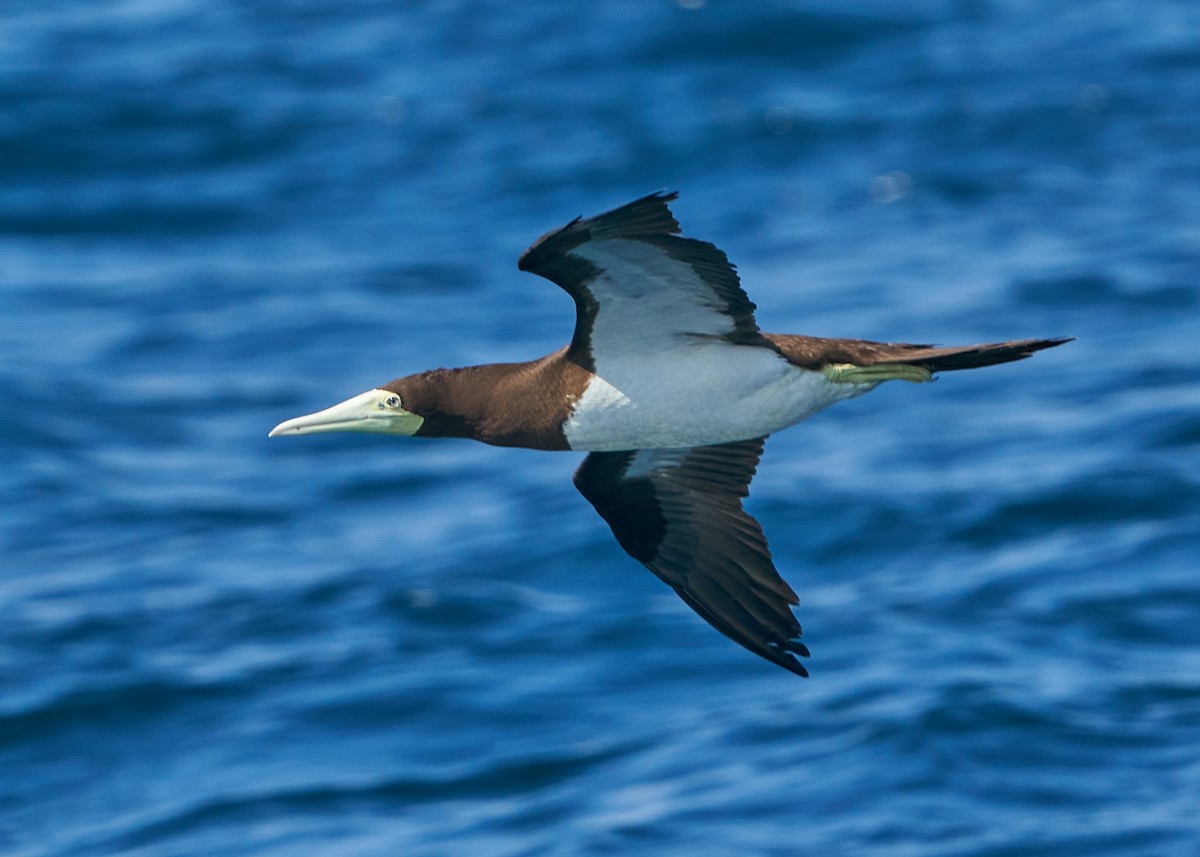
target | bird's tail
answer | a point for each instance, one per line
(856, 361)
(917, 363)
(971, 356)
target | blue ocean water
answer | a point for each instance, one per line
(216, 215)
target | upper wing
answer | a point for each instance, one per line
(635, 281)
(679, 512)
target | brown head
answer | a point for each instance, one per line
(507, 404)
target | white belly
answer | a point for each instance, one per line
(705, 393)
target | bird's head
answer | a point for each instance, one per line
(380, 411)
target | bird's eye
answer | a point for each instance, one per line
(392, 401)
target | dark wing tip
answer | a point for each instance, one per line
(784, 655)
(795, 667)
(648, 216)
(779, 645)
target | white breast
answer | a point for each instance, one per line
(701, 392)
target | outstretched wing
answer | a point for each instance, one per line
(636, 282)
(679, 512)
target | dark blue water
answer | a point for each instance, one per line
(215, 215)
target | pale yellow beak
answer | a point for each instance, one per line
(373, 411)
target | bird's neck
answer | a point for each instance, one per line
(453, 402)
(505, 404)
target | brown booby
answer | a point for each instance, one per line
(671, 389)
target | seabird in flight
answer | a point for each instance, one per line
(671, 389)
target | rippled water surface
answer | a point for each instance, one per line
(216, 215)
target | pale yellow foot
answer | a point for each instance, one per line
(848, 373)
